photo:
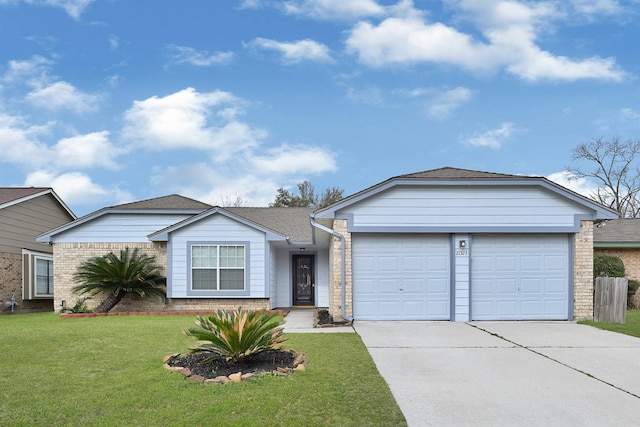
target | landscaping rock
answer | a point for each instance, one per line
(236, 378)
(186, 372)
(221, 379)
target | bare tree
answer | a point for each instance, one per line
(306, 197)
(613, 165)
(229, 201)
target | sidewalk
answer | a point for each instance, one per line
(300, 320)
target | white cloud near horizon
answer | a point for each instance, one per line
(494, 138)
(581, 186)
(210, 122)
(76, 188)
(87, 151)
(295, 52)
(189, 55)
(509, 27)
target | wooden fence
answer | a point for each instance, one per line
(610, 300)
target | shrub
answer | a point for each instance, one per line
(631, 291)
(607, 266)
(237, 334)
(79, 307)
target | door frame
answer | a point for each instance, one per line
(312, 260)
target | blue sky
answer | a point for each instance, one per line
(110, 101)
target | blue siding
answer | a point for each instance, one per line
(458, 207)
(218, 228)
(119, 227)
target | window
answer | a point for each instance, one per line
(37, 275)
(44, 277)
(218, 267)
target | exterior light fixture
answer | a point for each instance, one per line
(462, 244)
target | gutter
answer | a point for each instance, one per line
(343, 277)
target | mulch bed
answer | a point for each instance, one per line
(266, 361)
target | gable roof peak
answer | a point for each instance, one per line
(448, 172)
(172, 201)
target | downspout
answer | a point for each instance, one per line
(343, 274)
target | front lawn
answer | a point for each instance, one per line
(108, 371)
(631, 326)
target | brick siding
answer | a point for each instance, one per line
(68, 256)
(11, 281)
(583, 272)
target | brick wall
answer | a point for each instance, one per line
(335, 271)
(11, 281)
(67, 257)
(583, 272)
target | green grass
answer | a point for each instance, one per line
(631, 326)
(107, 371)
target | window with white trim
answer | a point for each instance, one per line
(44, 277)
(37, 275)
(218, 267)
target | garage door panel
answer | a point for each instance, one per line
(528, 278)
(388, 263)
(413, 283)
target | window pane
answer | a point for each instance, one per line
(204, 279)
(232, 279)
(204, 256)
(231, 256)
(44, 276)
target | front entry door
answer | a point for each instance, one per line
(303, 280)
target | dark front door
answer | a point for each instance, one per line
(303, 280)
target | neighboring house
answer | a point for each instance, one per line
(26, 267)
(445, 244)
(620, 237)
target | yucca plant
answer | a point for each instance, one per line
(116, 276)
(237, 334)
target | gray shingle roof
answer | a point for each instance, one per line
(455, 173)
(173, 201)
(626, 230)
(9, 194)
(292, 222)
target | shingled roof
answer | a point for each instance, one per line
(617, 232)
(173, 201)
(291, 222)
(456, 173)
(10, 194)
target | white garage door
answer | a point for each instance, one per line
(401, 277)
(521, 277)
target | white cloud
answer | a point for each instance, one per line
(492, 138)
(334, 9)
(188, 55)
(19, 143)
(629, 114)
(579, 185)
(597, 7)
(76, 188)
(510, 29)
(189, 119)
(446, 102)
(73, 8)
(62, 95)
(288, 160)
(297, 51)
(25, 70)
(87, 151)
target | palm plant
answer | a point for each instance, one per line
(237, 334)
(116, 276)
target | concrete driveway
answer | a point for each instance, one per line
(507, 373)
